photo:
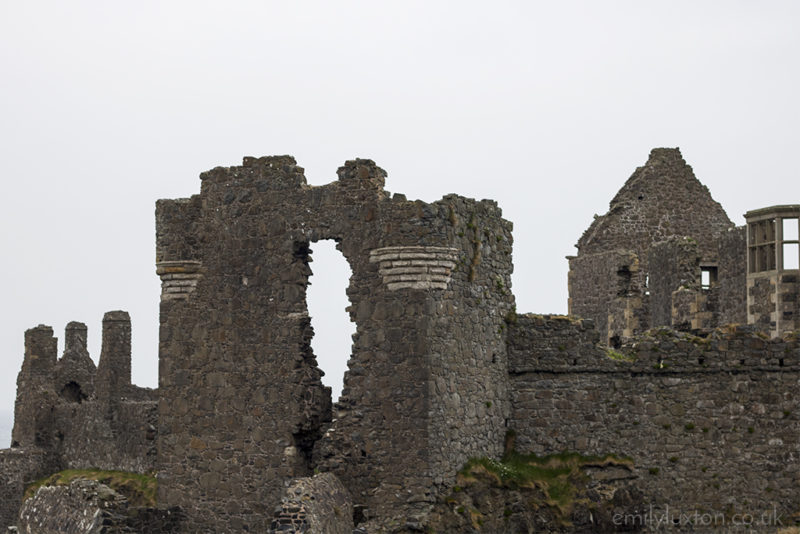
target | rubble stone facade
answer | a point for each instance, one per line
(711, 424)
(242, 407)
(69, 415)
(666, 254)
(441, 369)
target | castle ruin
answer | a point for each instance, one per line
(666, 254)
(442, 367)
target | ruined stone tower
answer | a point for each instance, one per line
(242, 408)
(663, 232)
(70, 415)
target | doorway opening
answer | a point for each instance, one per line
(327, 301)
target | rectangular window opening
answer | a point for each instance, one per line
(790, 229)
(791, 256)
(708, 276)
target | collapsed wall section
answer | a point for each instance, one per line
(242, 406)
(316, 505)
(710, 424)
(87, 506)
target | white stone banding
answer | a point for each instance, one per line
(415, 267)
(178, 278)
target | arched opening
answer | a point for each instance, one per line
(72, 392)
(327, 300)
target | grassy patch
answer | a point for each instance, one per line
(139, 489)
(618, 356)
(554, 475)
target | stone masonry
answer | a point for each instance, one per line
(244, 436)
(242, 407)
(712, 424)
(69, 415)
(316, 505)
(661, 200)
(667, 255)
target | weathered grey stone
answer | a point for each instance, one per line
(442, 368)
(83, 507)
(314, 505)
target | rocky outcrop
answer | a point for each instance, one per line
(90, 507)
(595, 498)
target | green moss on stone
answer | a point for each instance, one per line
(139, 489)
(555, 474)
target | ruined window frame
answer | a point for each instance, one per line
(761, 249)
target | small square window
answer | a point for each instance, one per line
(708, 277)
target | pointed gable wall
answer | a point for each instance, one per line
(660, 200)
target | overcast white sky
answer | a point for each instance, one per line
(546, 107)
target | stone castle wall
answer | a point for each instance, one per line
(674, 264)
(441, 367)
(597, 280)
(124, 439)
(242, 406)
(467, 352)
(710, 424)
